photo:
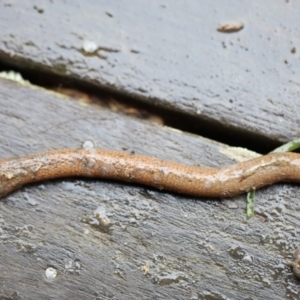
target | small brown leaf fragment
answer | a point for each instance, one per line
(230, 27)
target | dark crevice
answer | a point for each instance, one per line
(204, 127)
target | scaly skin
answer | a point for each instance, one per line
(171, 176)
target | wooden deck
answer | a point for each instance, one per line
(110, 240)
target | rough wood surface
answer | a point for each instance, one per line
(171, 55)
(110, 240)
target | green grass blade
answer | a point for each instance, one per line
(288, 147)
(250, 204)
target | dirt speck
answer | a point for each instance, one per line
(230, 27)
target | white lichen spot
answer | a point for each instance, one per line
(50, 273)
(89, 46)
(88, 144)
(247, 258)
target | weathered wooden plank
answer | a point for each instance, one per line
(171, 55)
(158, 245)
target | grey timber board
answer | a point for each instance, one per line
(159, 245)
(169, 54)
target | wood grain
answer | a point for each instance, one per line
(242, 84)
(109, 240)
